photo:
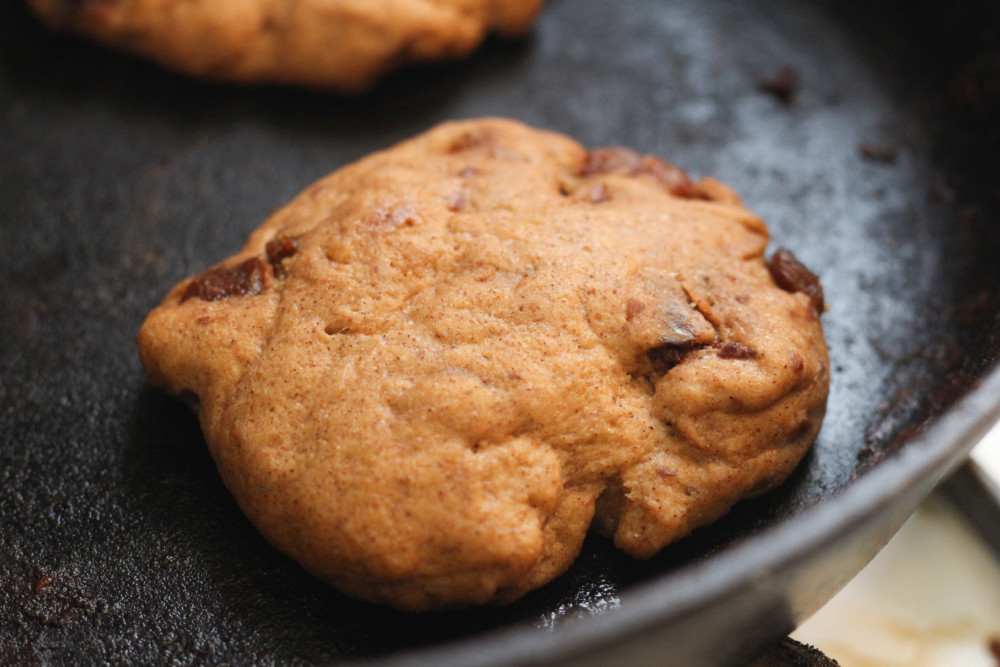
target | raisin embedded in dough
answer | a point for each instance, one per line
(433, 371)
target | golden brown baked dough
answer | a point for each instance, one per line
(420, 376)
(341, 44)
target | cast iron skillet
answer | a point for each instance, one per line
(118, 543)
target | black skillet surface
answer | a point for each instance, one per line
(118, 542)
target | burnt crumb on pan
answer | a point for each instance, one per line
(977, 86)
(940, 191)
(967, 215)
(55, 597)
(782, 86)
(791, 275)
(884, 153)
(42, 584)
(969, 309)
(244, 279)
(967, 219)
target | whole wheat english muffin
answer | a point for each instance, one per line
(341, 44)
(422, 376)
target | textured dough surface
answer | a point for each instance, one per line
(422, 376)
(340, 44)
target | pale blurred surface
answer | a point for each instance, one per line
(931, 598)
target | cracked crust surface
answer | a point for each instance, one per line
(340, 44)
(432, 371)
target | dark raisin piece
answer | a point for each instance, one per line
(607, 160)
(633, 307)
(244, 279)
(626, 161)
(790, 275)
(671, 178)
(734, 350)
(782, 85)
(278, 250)
(471, 140)
(802, 429)
(665, 357)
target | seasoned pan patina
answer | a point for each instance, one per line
(863, 135)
